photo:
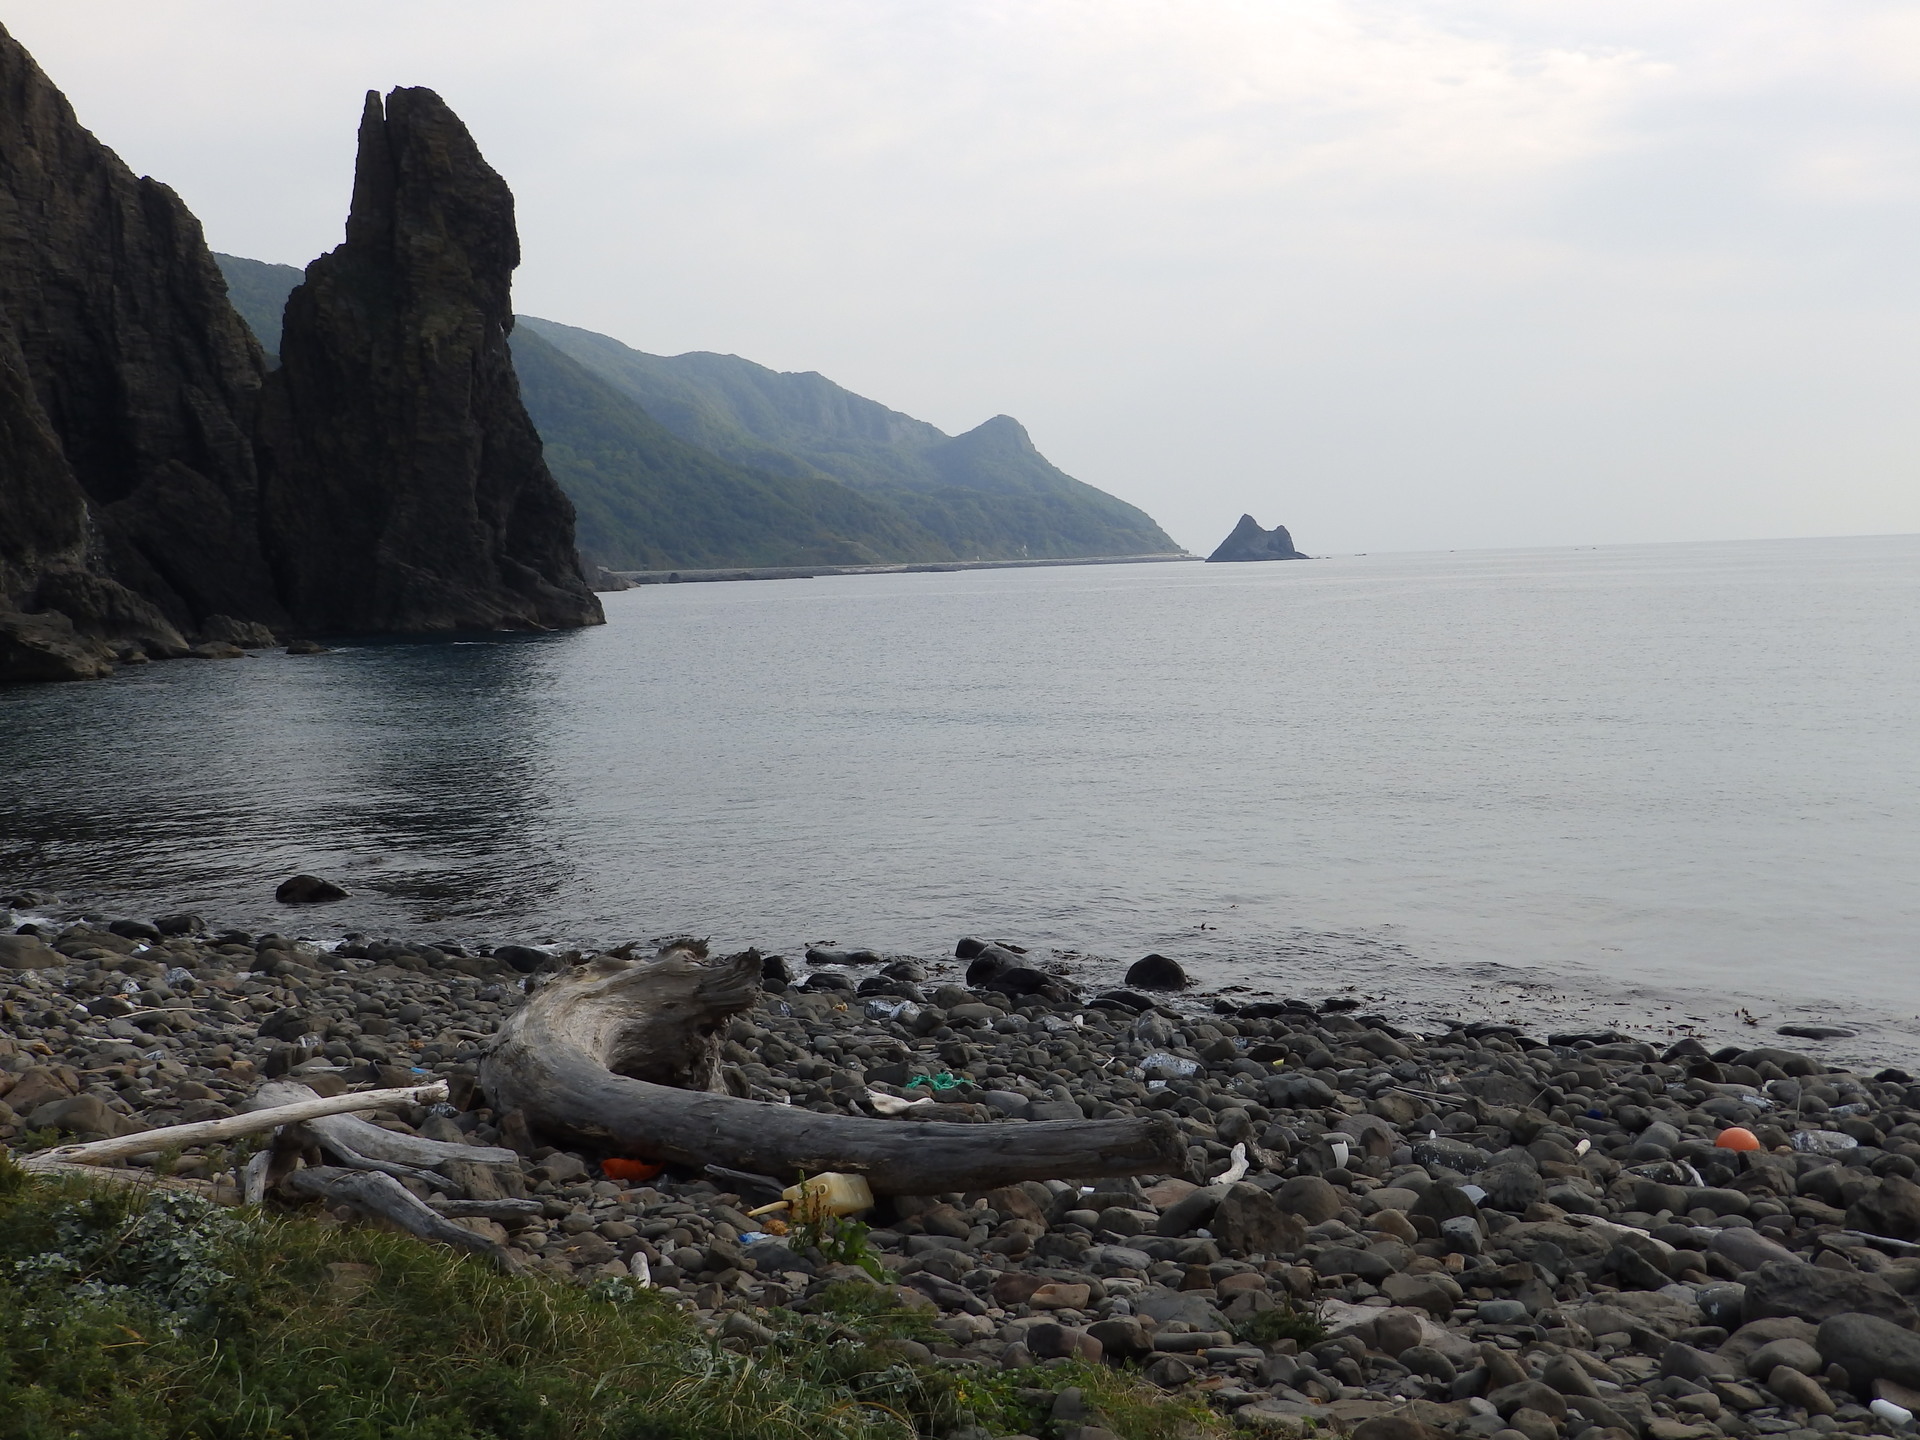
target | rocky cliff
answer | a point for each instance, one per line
(404, 484)
(127, 501)
(147, 498)
(1249, 542)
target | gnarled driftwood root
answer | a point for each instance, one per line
(603, 1055)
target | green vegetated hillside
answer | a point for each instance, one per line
(259, 292)
(647, 500)
(987, 494)
(705, 461)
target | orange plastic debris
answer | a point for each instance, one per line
(1738, 1138)
(618, 1167)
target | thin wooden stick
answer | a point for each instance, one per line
(207, 1132)
(202, 1188)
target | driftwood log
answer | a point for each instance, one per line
(623, 1055)
(372, 1193)
(361, 1145)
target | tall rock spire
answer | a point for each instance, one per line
(403, 484)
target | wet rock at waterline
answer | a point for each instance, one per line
(307, 890)
(1156, 972)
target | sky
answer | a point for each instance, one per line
(1401, 276)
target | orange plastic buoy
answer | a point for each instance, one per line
(1738, 1138)
(618, 1167)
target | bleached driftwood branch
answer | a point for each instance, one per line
(361, 1145)
(231, 1127)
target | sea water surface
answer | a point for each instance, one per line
(1659, 784)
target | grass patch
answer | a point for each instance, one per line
(150, 1315)
(1283, 1322)
(1020, 1402)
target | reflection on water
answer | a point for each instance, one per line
(418, 770)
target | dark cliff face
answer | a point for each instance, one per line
(127, 393)
(403, 483)
(1249, 542)
(150, 485)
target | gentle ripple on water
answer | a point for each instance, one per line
(1639, 773)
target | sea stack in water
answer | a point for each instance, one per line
(405, 485)
(1249, 542)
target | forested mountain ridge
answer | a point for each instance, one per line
(644, 499)
(988, 493)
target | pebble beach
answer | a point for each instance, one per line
(1479, 1231)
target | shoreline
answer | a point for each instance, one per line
(1412, 991)
(1490, 1233)
(932, 567)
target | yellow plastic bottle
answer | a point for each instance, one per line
(831, 1192)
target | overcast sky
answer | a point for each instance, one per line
(1399, 275)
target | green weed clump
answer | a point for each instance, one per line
(150, 1315)
(1283, 1322)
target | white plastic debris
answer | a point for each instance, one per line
(1822, 1142)
(1887, 1410)
(1341, 1150)
(1236, 1171)
(892, 1104)
(642, 1269)
(1161, 1060)
(1583, 1147)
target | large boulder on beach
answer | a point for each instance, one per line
(28, 952)
(1248, 1221)
(1891, 1208)
(1813, 1292)
(1870, 1348)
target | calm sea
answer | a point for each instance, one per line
(1634, 784)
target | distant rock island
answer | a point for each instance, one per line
(1249, 542)
(706, 461)
(161, 490)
